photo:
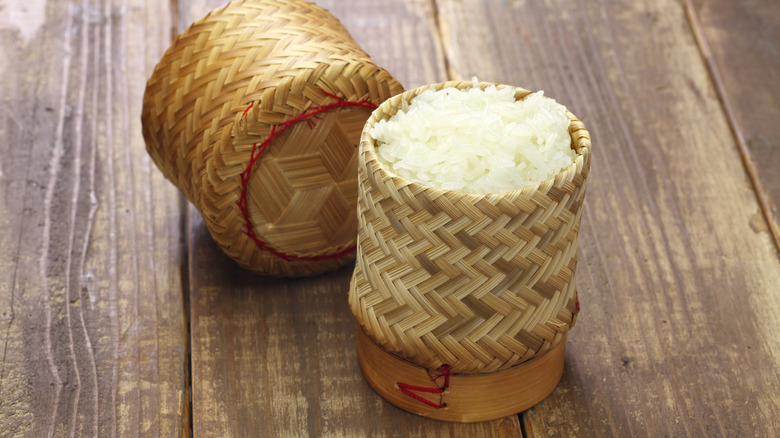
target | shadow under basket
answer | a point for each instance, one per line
(464, 301)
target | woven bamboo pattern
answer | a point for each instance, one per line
(223, 87)
(481, 282)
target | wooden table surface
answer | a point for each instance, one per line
(120, 317)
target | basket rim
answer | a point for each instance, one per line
(368, 156)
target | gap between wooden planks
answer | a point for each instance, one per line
(768, 197)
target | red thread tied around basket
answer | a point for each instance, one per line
(309, 116)
(412, 390)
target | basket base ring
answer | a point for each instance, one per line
(469, 398)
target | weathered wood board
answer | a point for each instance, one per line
(92, 321)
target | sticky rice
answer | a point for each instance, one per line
(476, 141)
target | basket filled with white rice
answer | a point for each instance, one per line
(469, 205)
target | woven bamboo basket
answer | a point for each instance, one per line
(464, 300)
(255, 113)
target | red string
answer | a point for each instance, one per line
(309, 116)
(412, 390)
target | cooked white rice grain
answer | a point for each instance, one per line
(476, 141)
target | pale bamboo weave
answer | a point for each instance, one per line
(220, 90)
(480, 282)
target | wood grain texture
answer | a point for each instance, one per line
(92, 328)
(275, 357)
(739, 41)
(678, 273)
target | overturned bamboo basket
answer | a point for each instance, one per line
(464, 300)
(255, 113)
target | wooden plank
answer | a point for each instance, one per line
(92, 323)
(678, 273)
(275, 357)
(738, 41)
